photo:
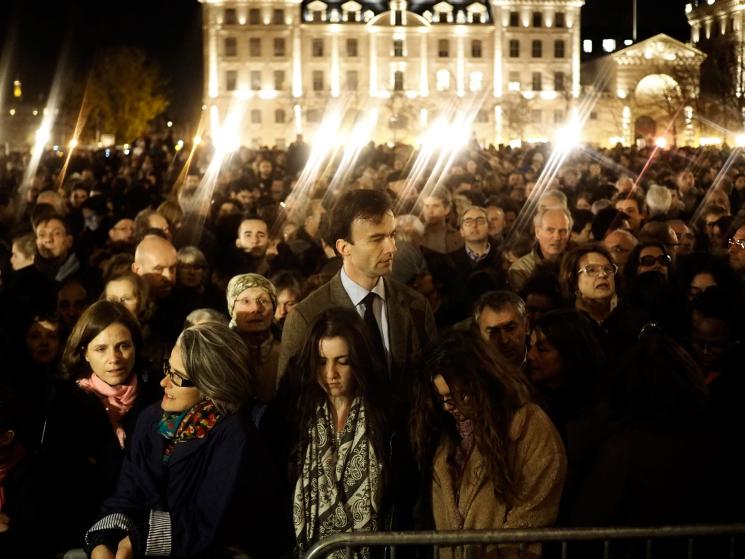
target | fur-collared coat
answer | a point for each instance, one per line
(538, 461)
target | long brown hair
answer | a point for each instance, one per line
(485, 388)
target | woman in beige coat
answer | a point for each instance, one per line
(493, 458)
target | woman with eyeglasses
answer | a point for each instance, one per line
(650, 256)
(588, 277)
(590, 282)
(346, 472)
(195, 480)
(490, 457)
(89, 427)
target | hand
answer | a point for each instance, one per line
(124, 551)
(4, 522)
(101, 552)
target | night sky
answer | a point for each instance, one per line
(170, 32)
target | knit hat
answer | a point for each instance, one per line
(238, 284)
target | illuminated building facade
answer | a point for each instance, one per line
(277, 66)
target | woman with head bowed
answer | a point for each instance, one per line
(195, 480)
(490, 457)
(346, 456)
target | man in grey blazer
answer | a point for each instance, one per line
(363, 227)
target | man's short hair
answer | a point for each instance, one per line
(442, 194)
(556, 194)
(498, 300)
(659, 199)
(49, 216)
(357, 204)
(636, 197)
(538, 219)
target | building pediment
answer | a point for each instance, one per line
(659, 49)
(317, 6)
(443, 6)
(351, 6)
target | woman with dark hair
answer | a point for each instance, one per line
(87, 428)
(195, 480)
(343, 457)
(589, 279)
(566, 364)
(650, 256)
(659, 461)
(491, 458)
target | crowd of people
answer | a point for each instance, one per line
(242, 365)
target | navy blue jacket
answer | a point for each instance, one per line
(213, 492)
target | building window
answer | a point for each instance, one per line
(476, 48)
(255, 80)
(513, 82)
(537, 81)
(231, 80)
(278, 17)
(482, 116)
(537, 19)
(254, 46)
(279, 80)
(477, 81)
(316, 16)
(352, 48)
(255, 116)
(536, 116)
(254, 16)
(593, 115)
(514, 19)
(279, 116)
(537, 49)
(560, 19)
(558, 117)
(317, 80)
(312, 115)
(443, 80)
(559, 81)
(231, 46)
(559, 47)
(514, 48)
(317, 48)
(443, 48)
(352, 80)
(398, 47)
(279, 46)
(229, 17)
(398, 81)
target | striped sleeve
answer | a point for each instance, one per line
(159, 534)
(117, 521)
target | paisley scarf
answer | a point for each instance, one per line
(194, 423)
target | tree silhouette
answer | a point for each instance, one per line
(125, 92)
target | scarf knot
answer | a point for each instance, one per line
(194, 423)
(117, 400)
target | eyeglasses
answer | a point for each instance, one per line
(594, 270)
(740, 243)
(469, 221)
(176, 378)
(649, 260)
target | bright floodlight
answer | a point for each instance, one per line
(740, 140)
(661, 142)
(568, 136)
(197, 140)
(42, 136)
(73, 143)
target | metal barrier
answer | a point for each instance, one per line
(522, 537)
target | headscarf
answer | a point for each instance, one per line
(238, 284)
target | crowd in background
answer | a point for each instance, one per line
(533, 344)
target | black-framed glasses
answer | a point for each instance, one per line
(594, 270)
(649, 260)
(739, 243)
(176, 378)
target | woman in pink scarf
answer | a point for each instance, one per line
(87, 428)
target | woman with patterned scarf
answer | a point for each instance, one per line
(491, 458)
(196, 474)
(342, 456)
(88, 426)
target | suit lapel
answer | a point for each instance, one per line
(337, 294)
